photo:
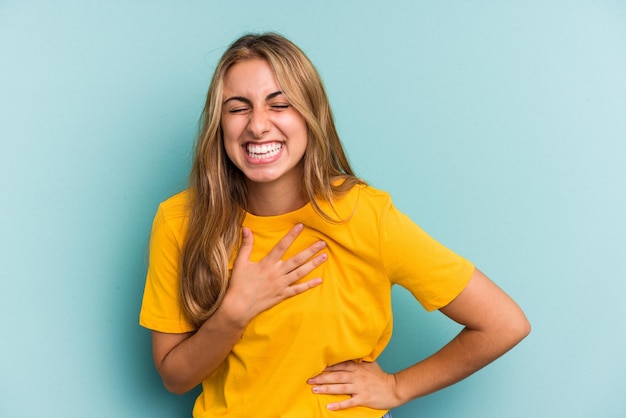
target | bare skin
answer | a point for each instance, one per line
(183, 360)
(257, 113)
(493, 322)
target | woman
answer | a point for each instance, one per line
(270, 278)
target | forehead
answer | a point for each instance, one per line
(249, 78)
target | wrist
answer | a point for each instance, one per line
(404, 387)
(392, 383)
(233, 313)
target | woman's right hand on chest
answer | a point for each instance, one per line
(257, 286)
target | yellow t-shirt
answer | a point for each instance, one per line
(347, 317)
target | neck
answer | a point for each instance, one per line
(272, 200)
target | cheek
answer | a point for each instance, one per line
(230, 135)
(232, 152)
(297, 128)
(230, 146)
(227, 131)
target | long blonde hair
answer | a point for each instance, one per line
(218, 190)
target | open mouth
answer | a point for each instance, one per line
(263, 151)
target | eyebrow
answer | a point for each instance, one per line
(246, 100)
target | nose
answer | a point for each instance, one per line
(259, 123)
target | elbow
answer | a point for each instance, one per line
(174, 379)
(519, 328)
(175, 387)
(176, 391)
(174, 383)
(523, 324)
(524, 328)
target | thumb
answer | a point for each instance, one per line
(247, 240)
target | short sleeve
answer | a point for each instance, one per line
(161, 308)
(434, 274)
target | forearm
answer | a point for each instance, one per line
(468, 352)
(197, 356)
(494, 324)
(184, 360)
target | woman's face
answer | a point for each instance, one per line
(264, 136)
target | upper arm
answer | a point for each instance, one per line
(163, 343)
(161, 308)
(484, 306)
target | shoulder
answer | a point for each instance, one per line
(360, 201)
(371, 193)
(176, 206)
(364, 195)
(173, 215)
(178, 201)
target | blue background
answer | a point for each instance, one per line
(498, 126)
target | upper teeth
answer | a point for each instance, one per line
(257, 150)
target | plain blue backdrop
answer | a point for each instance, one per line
(498, 126)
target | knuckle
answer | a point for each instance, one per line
(290, 291)
(344, 388)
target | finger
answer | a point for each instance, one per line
(329, 370)
(300, 258)
(296, 289)
(338, 389)
(331, 378)
(343, 366)
(285, 242)
(306, 268)
(348, 403)
(247, 242)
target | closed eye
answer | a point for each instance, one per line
(236, 110)
(237, 104)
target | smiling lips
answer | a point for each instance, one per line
(263, 151)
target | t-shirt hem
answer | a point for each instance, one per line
(169, 327)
